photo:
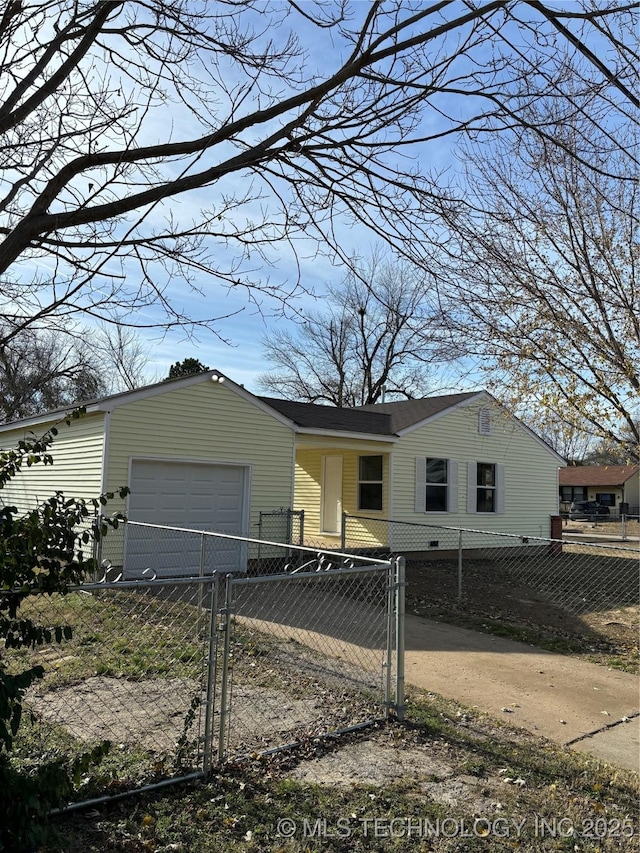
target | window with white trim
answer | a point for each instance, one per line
(486, 483)
(436, 484)
(370, 482)
(485, 487)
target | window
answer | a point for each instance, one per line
(370, 482)
(436, 485)
(573, 493)
(485, 487)
(606, 498)
(486, 482)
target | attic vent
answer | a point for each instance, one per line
(484, 422)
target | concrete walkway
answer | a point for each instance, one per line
(569, 701)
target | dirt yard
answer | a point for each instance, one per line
(513, 603)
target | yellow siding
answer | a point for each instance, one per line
(531, 480)
(205, 422)
(632, 492)
(308, 490)
(76, 470)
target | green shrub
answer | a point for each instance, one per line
(42, 552)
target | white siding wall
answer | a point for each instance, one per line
(205, 422)
(76, 470)
(530, 471)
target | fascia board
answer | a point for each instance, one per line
(338, 433)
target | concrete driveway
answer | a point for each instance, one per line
(572, 702)
(569, 701)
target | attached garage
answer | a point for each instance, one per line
(193, 495)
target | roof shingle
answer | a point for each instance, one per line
(597, 475)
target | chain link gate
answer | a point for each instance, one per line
(168, 676)
(307, 655)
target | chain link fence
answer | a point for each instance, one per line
(577, 577)
(158, 677)
(280, 525)
(306, 655)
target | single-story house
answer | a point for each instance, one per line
(610, 485)
(203, 452)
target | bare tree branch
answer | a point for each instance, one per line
(144, 142)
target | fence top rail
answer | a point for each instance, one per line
(233, 536)
(151, 580)
(520, 537)
(318, 574)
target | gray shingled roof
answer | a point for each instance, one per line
(315, 416)
(406, 413)
(376, 419)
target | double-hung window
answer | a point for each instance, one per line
(485, 487)
(436, 484)
(370, 482)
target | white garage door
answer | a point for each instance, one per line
(185, 494)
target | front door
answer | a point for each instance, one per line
(331, 520)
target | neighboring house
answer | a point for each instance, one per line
(202, 453)
(610, 485)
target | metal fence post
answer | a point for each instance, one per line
(212, 669)
(343, 533)
(460, 565)
(391, 591)
(400, 567)
(201, 576)
(224, 686)
(624, 527)
(301, 539)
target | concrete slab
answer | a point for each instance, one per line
(556, 696)
(616, 745)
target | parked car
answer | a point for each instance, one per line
(587, 511)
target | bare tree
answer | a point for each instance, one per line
(544, 285)
(291, 118)
(368, 342)
(122, 355)
(40, 371)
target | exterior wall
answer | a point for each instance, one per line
(205, 422)
(632, 493)
(592, 491)
(308, 488)
(77, 463)
(530, 472)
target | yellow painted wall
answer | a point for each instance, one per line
(77, 466)
(206, 422)
(308, 489)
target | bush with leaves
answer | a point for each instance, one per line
(42, 552)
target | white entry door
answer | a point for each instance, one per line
(331, 521)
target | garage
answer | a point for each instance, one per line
(195, 495)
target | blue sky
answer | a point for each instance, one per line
(247, 323)
(241, 358)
